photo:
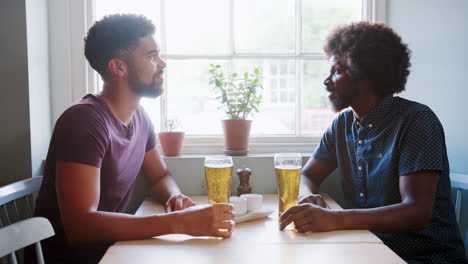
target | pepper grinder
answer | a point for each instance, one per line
(244, 176)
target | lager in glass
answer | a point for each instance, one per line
(218, 174)
(288, 176)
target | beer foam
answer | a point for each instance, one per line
(218, 166)
(288, 167)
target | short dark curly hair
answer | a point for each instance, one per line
(112, 37)
(371, 51)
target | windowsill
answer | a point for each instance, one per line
(248, 156)
(257, 146)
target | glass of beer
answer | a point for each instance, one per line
(288, 175)
(218, 174)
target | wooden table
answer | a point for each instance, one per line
(256, 241)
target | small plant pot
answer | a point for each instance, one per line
(236, 136)
(171, 143)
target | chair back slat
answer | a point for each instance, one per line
(13, 259)
(5, 214)
(28, 206)
(16, 216)
(40, 257)
(15, 204)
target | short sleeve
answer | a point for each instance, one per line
(326, 151)
(151, 141)
(422, 146)
(80, 136)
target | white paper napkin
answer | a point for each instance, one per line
(262, 212)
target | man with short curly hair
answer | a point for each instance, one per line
(102, 142)
(390, 153)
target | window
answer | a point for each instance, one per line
(283, 38)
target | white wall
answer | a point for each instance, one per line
(38, 76)
(437, 32)
(24, 75)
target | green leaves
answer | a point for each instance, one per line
(239, 97)
(218, 83)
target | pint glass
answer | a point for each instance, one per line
(218, 174)
(288, 176)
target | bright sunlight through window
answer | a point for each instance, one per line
(284, 38)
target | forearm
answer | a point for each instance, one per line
(392, 218)
(165, 188)
(308, 186)
(106, 226)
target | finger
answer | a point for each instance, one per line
(189, 202)
(285, 220)
(292, 210)
(186, 202)
(323, 204)
(302, 221)
(226, 225)
(223, 233)
(304, 200)
(289, 219)
(226, 216)
(221, 208)
(167, 208)
(305, 228)
(178, 204)
(284, 223)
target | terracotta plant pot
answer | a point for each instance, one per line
(236, 136)
(171, 143)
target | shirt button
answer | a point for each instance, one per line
(359, 142)
(370, 125)
(359, 168)
(361, 194)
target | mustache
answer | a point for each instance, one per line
(329, 88)
(161, 72)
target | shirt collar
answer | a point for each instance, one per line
(377, 114)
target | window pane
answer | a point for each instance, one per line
(194, 27)
(277, 111)
(264, 26)
(319, 17)
(317, 112)
(153, 108)
(191, 99)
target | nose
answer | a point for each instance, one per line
(327, 81)
(162, 64)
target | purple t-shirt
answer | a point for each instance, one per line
(88, 133)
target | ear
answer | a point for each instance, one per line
(117, 67)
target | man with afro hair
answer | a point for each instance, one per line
(389, 152)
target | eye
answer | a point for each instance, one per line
(339, 70)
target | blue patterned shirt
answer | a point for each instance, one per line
(397, 137)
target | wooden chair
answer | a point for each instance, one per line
(16, 203)
(24, 233)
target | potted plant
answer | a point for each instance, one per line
(171, 140)
(240, 97)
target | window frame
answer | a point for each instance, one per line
(70, 19)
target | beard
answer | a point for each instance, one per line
(151, 90)
(343, 98)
